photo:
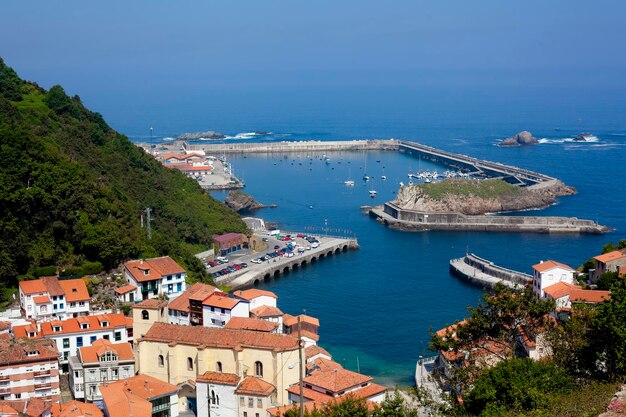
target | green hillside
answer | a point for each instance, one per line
(72, 190)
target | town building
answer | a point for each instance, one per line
(75, 409)
(155, 277)
(140, 396)
(268, 313)
(565, 295)
(229, 242)
(98, 364)
(29, 369)
(309, 328)
(186, 309)
(257, 298)
(177, 354)
(32, 407)
(548, 273)
(49, 298)
(146, 313)
(228, 395)
(608, 262)
(126, 294)
(218, 308)
(72, 334)
(250, 323)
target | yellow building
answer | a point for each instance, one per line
(147, 313)
(176, 354)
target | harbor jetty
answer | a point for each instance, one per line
(484, 273)
(265, 272)
(412, 220)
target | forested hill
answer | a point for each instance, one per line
(72, 190)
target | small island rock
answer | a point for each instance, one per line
(522, 138)
(240, 201)
(209, 134)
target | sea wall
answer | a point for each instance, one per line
(394, 216)
(302, 146)
(485, 273)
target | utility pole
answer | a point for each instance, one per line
(148, 218)
(300, 365)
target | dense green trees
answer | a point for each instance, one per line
(72, 190)
(350, 406)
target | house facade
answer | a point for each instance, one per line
(49, 298)
(218, 308)
(155, 277)
(29, 369)
(140, 395)
(547, 273)
(608, 262)
(186, 309)
(100, 363)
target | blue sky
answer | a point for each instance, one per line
(141, 50)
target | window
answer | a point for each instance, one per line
(115, 373)
(118, 336)
(170, 288)
(256, 414)
(81, 303)
(250, 402)
(259, 403)
(79, 341)
(92, 339)
(61, 306)
(212, 397)
(218, 367)
(84, 325)
(258, 369)
(189, 364)
(29, 308)
(66, 355)
(54, 306)
(242, 401)
(106, 337)
(161, 361)
(145, 315)
(66, 343)
(76, 374)
(179, 287)
(245, 414)
(217, 399)
(54, 298)
(72, 304)
(18, 396)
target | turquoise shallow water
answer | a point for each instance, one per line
(377, 305)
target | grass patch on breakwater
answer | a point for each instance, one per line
(469, 187)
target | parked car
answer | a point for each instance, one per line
(276, 246)
(243, 265)
(256, 261)
(315, 244)
(265, 239)
(221, 259)
(300, 235)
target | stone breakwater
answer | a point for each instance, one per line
(412, 220)
(485, 273)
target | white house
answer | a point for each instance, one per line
(72, 334)
(141, 395)
(97, 364)
(186, 309)
(154, 277)
(549, 273)
(218, 308)
(49, 298)
(257, 297)
(228, 395)
(126, 293)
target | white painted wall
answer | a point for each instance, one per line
(552, 276)
(227, 400)
(263, 300)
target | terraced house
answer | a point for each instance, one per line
(49, 298)
(156, 276)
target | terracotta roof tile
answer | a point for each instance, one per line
(5, 325)
(75, 409)
(16, 351)
(316, 350)
(219, 378)
(548, 265)
(289, 320)
(266, 311)
(52, 286)
(309, 394)
(450, 330)
(90, 354)
(253, 293)
(196, 292)
(305, 333)
(32, 407)
(560, 289)
(34, 286)
(227, 237)
(156, 268)
(249, 323)
(323, 364)
(72, 325)
(215, 337)
(42, 299)
(336, 380)
(151, 304)
(589, 296)
(611, 256)
(125, 289)
(221, 300)
(75, 290)
(368, 391)
(252, 385)
(131, 396)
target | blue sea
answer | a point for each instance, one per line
(378, 305)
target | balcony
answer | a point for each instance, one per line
(5, 391)
(4, 378)
(148, 288)
(41, 374)
(160, 407)
(42, 386)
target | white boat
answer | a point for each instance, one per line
(349, 183)
(373, 193)
(366, 177)
(383, 177)
(401, 184)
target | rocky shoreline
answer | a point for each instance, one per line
(241, 202)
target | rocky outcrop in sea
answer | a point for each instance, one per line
(240, 201)
(209, 134)
(522, 138)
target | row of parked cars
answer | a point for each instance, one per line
(229, 269)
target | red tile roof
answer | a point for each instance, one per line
(227, 237)
(5, 325)
(309, 394)
(75, 409)
(367, 392)
(249, 323)
(253, 293)
(196, 292)
(289, 320)
(52, 285)
(156, 268)
(32, 407)
(221, 300)
(16, 351)
(131, 397)
(450, 330)
(336, 380)
(266, 311)
(42, 299)
(323, 364)
(589, 296)
(73, 325)
(252, 385)
(34, 286)
(219, 378)
(221, 338)
(75, 290)
(305, 333)
(91, 354)
(125, 289)
(315, 350)
(560, 289)
(548, 265)
(611, 256)
(151, 304)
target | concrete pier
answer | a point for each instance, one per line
(412, 220)
(301, 146)
(485, 273)
(265, 272)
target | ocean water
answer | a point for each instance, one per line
(377, 305)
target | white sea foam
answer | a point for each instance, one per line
(588, 139)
